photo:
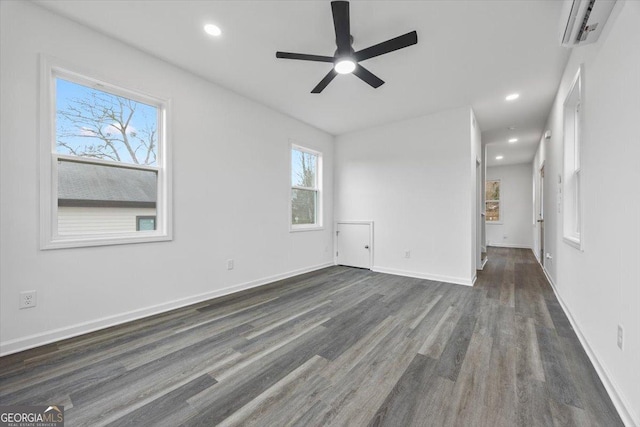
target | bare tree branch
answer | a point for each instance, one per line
(106, 119)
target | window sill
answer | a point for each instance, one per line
(573, 241)
(293, 229)
(83, 242)
(493, 222)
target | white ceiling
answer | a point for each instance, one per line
(468, 53)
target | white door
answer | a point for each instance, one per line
(354, 244)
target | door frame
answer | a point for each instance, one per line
(540, 213)
(335, 240)
(479, 214)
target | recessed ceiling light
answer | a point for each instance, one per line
(212, 30)
(512, 140)
(345, 66)
(499, 157)
(512, 96)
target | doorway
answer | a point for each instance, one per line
(354, 244)
(541, 213)
(480, 217)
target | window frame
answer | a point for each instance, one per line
(50, 70)
(500, 213)
(318, 189)
(571, 163)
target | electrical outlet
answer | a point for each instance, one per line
(407, 254)
(620, 336)
(28, 299)
(229, 264)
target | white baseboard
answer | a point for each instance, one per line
(36, 340)
(509, 245)
(629, 418)
(484, 262)
(419, 275)
(539, 261)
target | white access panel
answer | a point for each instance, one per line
(354, 244)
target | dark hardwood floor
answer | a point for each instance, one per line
(339, 346)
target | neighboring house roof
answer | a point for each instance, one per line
(91, 185)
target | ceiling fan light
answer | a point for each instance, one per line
(345, 66)
(212, 30)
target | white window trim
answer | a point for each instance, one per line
(50, 68)
(573, 238)
(500, 213)
(319, 179)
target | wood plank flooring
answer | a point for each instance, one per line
(339, 346)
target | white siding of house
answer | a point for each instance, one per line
(83, 220)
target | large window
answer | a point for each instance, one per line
(104, 163)
(306, 196)
(492, 201)
(572, 221)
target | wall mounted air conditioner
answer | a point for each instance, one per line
(582, 21)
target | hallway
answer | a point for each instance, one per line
(545, 366)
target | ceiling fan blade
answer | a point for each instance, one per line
(367, 76)
(388, 46)
(324, 82)
(304, 57)
(341, 24)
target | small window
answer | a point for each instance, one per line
(492, 201)
(572, 172)
(145, 223)
(106, 178)
(306, 198)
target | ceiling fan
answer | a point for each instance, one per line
(345, 60)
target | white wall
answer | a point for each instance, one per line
(231, 190)
(414, 179)
(600, 286)
(514, 229)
